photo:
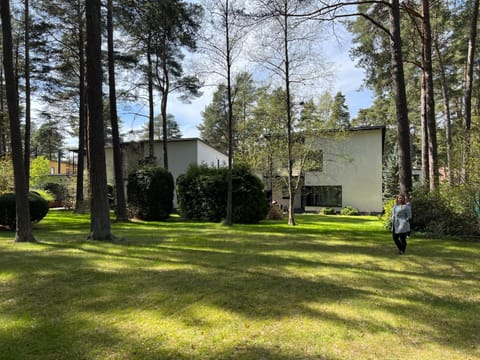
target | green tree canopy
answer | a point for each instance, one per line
(339, 116)
(48, 140)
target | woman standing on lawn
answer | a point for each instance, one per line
(401, 215)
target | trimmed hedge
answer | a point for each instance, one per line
(150, 193)
(202, 195)
(38, 209)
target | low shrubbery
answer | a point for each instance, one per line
(150, 193)
(328, 211)
(275, 213)
(38, 208)
(202, 194)
(434, 213)
(349, 210)
(60, 194)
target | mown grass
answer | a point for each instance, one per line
(329, 288)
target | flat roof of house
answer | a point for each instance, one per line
(358, 128)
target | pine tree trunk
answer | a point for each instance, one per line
(229, 206)
(82, 118)
(163, 111)
(429, 97)
(27, 93)
(117, 150)
(23, 223)
(400, 96)
(425, 170)
(472, 42)
(151, 122)
(446, 111)
(100, 212)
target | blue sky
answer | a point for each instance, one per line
(347, 78)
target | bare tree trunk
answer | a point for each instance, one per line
(425, 170)
(472, 42)
(100, 212)
(151, 122)
(229, 207)
(117, 150)
(3, 127)
(446, 112)
(398, 81)
(23, 224)
(429, 97)
(163, 111)
(291, 185)
(82, 115)
(28, 121)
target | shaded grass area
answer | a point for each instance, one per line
(329, 288)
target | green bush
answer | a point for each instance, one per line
(47, 195)
(150, 193)
(38, 208)
(349, 210)
(59, 191)
(387, 214)
(433, 213)
(275, 213)
(249, 200)
(328, 211)
(202, 195)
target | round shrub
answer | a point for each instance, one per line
(328, 211)
(249, 200)
(150, 193)
(38, 208)
(202, 195)
(275, 213)
(349, 210)
(59, 191)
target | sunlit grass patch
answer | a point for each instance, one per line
(332, 287)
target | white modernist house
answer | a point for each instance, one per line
(349, 172)
(181, 154)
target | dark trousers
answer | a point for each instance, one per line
(400, 241)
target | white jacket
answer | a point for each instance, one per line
(401, 215)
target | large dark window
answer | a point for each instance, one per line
(323, 196)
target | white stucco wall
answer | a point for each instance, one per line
(353, 160)
(210, 157)
(181, 153)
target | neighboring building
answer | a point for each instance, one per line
(349, 172)
(61, 167)
(181, 154)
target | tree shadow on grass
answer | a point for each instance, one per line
(81, 300)
(64, 298)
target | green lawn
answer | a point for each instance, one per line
(329, 288)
